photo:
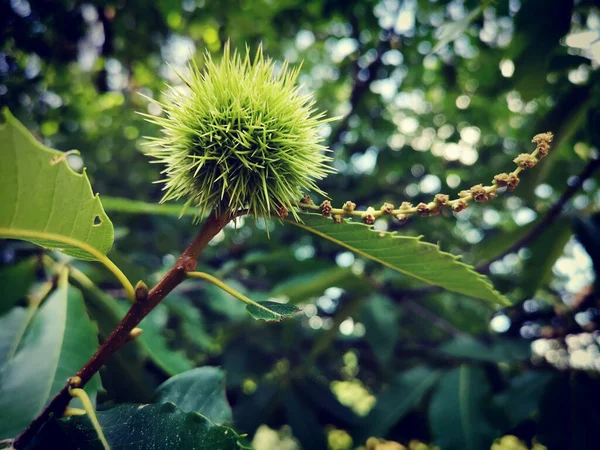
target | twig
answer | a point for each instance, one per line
(553, 214)
(478, 193)
(146, 302)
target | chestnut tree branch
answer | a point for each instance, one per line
(146, 301)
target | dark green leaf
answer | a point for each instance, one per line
(466, 314)
(547, 248)
(568, 411)
(254, 409)
(520, 401)
(404, 393)
(303, 421)
(124, 375)
(223, 303)
(143, 427)
(192, 324)
(271, 311)
(12, 327)
(15, 281)
(587, 230)
(201, 390)
(555, 427)
(305, 287)
(585, 397)
(593, 125)
(323, 399)
(379, 316)
(497, 350)
(501, 241)
(58, 341)
(459, 409)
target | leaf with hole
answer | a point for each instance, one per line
(44, 201)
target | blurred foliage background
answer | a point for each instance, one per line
(433, 96)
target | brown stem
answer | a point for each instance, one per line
(120, 335)
(549, 218)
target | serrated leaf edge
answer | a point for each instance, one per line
(394, 235)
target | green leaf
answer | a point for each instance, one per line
(498, 350)
(223, 303)
(453, 30)
(318, 392)
(303, 421)
(555, 423)
(404, 393)
(57, 342)
(303, 288)
(520, 401)
(191, 323)
(568, 411)
(271, 311)
(154, 342)
(536, 41)
(12, 327)
(405, 254)
(466, 314)
(459, 408)
(125, 376)
(44, 201)
(201, 390)
(585, 394)
(587, 231)
(16, 280)
(380, 317)
(546, 249)
(126, 205)
(501, 241)
(142, 427)
(255, 409)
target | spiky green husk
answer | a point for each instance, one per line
(242, 136)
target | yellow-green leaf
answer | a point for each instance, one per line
(44, 201)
